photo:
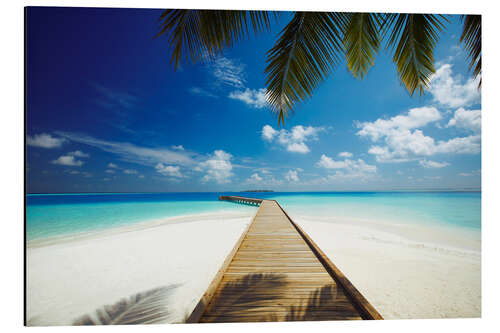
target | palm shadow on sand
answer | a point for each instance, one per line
(148, 307)
(248, 297)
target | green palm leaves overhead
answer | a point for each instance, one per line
(200, 35)
(312, 43)
(471, 37)
(362, 42)
(413, 37)
(304, 54)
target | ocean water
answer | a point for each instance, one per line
(50, 215)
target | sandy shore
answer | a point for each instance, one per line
(405, 271)
(70, 278)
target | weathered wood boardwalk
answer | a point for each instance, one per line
(276, 272)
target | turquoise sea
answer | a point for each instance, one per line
(50, 215)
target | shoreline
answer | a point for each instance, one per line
(135, 226)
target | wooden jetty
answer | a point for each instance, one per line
(276, 272)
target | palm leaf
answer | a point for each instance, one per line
(471, 37)
(143, 308)
(362, 42)
(198, 35)
(413, 38)
(302, 57)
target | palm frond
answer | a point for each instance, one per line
(362, 42)
(413, 37)
(471, 37)
(143, 308)
(200, 35)
(303, 56)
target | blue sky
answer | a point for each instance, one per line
(106, 112)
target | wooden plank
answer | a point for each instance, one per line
(206, 297)
(275, 273)
(367, 310)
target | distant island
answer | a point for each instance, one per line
(258, 191)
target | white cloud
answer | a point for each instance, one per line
(115, 99)
(217, 167)
(345, 154)
(78, 153)
(109, 171)
(130, 171)
(169, 170)
(228, 72)
(347, 169)
(268, 133)
(328, 163)
(433, 164)
(293, 140)
(265, 178)
(179, 147)
(67, 160)
(201, 92)
(403, 142)
(416, 117)
(254, 178)
(349, 165)
(452, 91)
(135, 154)
(467, 119)
(292, 175)
(112, 165)
(141, 176)
(297, 147)
(432, 177)
(251, 97)
(470, 174)
(44, 141)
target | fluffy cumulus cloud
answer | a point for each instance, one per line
(169, 170)
(417, 117)
(68, 160)
(263, 178)
(402, 141)
(112, 165)
(347, 168)
(44, 141)
(292, 176)
(293, 140)
(466, 119)
(255, 98)
(433, 164)
(217, 167)
(345, 154)
(78, 153)
(255, 178)
(130, 172)
(451, 91)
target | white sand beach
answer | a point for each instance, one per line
(67, 279)
(404, 271)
